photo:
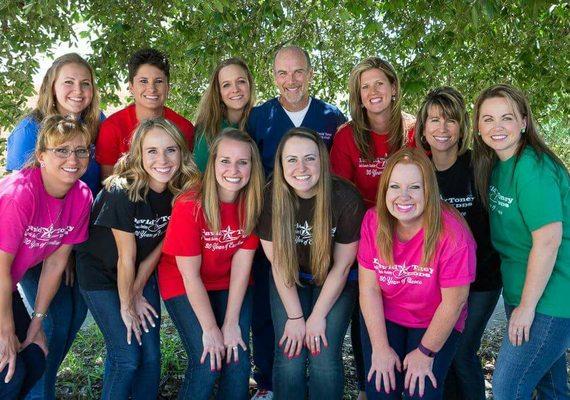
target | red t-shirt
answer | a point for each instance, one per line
(365, 174)
(188, 235)
(115, 133)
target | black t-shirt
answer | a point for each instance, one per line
(147, 220)
(347, 213)
(457, 187)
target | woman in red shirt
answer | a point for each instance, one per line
(204, 273)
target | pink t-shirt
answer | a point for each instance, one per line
(411, 293)
(35, 224)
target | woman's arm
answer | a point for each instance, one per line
(541, 259)
(9, 344)
(294, 332)
(384, 358)
(239, 280)
(343, 258)
(212, 338)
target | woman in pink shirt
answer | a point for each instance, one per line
(416, 261)
(44, 211)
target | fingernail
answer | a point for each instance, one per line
(212, 370)
(146, 330)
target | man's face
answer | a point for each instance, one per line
(292, 77)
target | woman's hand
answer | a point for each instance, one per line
(9, 347)
(418, 366)
(315, 329)
(36, 335)
(519, 324)
(383, 364)
(213, 342)
(132, 323)
(293, 337)
(232, 338)
(144, 311)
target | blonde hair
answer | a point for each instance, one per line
(211, 109)
(284, 207)
(452, 106)
(250, 197)
(129, 173)
(360, 124)
(47, 102)
(432, 215)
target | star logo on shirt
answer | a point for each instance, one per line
(227, 235)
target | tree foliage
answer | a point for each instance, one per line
(467, 44)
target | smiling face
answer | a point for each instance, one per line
(301, 166)
(441, 133)
(500, 126)
(232, 168)
(73, 89)
(292, 77)
(405, 198)
(376, 91)
(234, 87)
(149, 88)
(160, 158)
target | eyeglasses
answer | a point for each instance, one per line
(64, 152)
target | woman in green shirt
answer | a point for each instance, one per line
(527, 191)
(227, 101)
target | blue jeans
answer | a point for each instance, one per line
(465, 380)
(326, 370)
(262, 336)
(199, 380)
(403, 340)
(539, 363)
(130, 370)
(65, 316)
(30, 362)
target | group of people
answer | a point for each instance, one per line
(286, 224)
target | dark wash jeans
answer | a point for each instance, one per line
(403, 340)
(130, 370)
(326, 370)
(30, 362)
(199, 380)
(65, 316)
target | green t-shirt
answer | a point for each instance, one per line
(523, 197)
(201, 147)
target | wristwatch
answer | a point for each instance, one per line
(426, 351)
(39, 315)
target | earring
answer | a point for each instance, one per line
(393, 98)
(478, 133)
(523, 130)
(42, 164)
(423, 139)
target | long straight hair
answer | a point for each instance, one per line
(286, 205)
(431, 217)
(484, 157)
(250, 197)
(129, 173)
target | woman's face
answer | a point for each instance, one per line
(376, 91)
(160, 157)
(232, 168)
(441, 133)
(149, 87)
(301, 166)
(500, 126)
(234, 87)
(73, 89)
(405, 195)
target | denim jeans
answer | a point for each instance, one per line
(30, 362)
(539, 363)
(130, 370)
(403, 340)
(357, 346)
(199, 380)
(326, 370)
(65, 316)
(262, 336)
(465, 380)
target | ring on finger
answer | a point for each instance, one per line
(316, 338)
(234, 348)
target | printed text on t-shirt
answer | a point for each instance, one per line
(40, 237)
(303, 234)
(224, 239)
(151, 228)
(402, 274)
(497, 201)
(373, 168)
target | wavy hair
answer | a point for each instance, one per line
(212, 110)
(285, 206)
(452, 105)
(47, 102)
(360, 124)
(129, 173)
(432, 219)
(484, 157)
(250, 197)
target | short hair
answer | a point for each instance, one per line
(149, 56)
(296, 49)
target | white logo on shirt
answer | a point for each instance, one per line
(151, 228)
(40, 237)
(304, 235)
(460, 202)
(399, 274)
(373, 168)
(497, 201)
(225, 239)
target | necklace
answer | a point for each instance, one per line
(52, 222)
